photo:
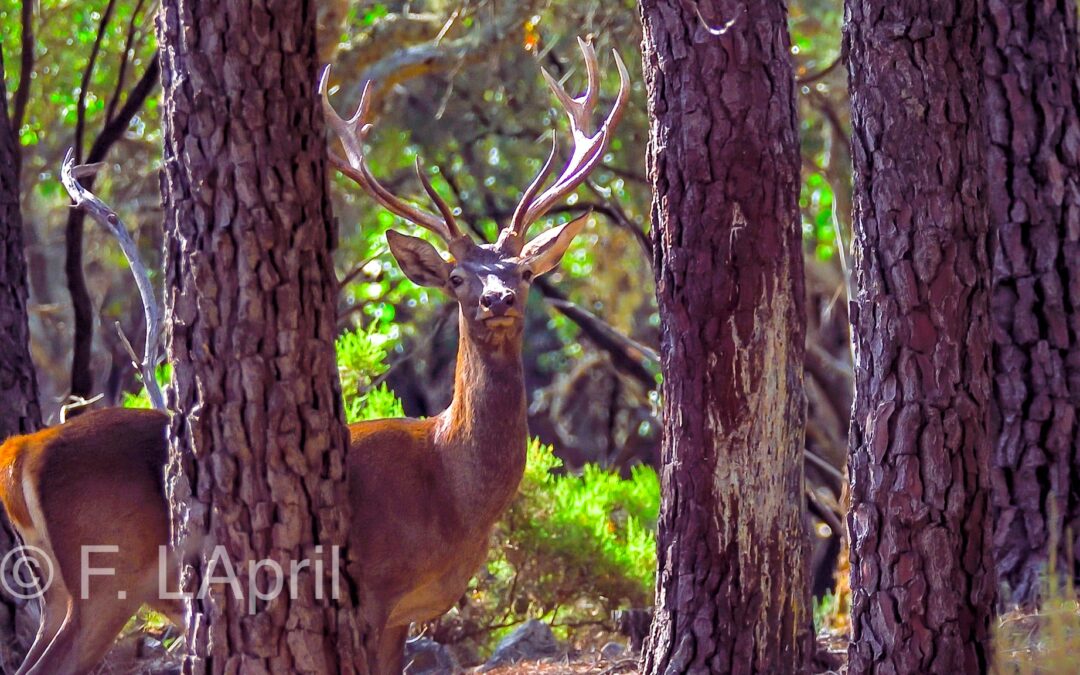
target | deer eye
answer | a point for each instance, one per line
(456, 280)
(527, 276)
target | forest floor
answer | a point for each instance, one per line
(1027, 643)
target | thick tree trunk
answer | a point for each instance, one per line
(258, 446)
(732, 593)
(922, 574)
(1032, 74)
(19, 411)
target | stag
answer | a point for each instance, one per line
(426, 493)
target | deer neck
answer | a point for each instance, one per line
(483, 431)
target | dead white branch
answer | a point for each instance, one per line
(108, 219)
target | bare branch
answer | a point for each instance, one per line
(81, 378)
(107, 218)
(442, 54)
(830, 470)
(821, 74)
(823, 511)
(628, 355)
(619, 217)
(125, 60)
(80, 111)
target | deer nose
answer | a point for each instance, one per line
(498, 302)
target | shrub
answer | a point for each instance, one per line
(361, 357)
(571, 549)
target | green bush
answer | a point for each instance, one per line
(582, 536)
(361, 357)
(571, 549)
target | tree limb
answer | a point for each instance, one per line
(99, 211)
(440, 55)
(84, 86)
(821, 74)
(81, 377)
(121, 74)
(628, 355)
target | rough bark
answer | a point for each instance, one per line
(257, 451)
(1032, 101)
(732, 591)
(19, 410)
(922, 573)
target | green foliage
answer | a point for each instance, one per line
(361, 356)
(163, 373)
(571, 549)
(596, 527)
(825, 611)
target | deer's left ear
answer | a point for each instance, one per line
(419, 260)
(543, 253)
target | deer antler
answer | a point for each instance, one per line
(100, 211)
(351, 133)
(588, 148)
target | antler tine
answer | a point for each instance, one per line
(588, 147)
(517, 225)
(352, 133)
(579, 109)
(440, 203)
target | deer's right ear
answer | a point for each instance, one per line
(419, 260)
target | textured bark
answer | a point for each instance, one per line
(732, 592)
(257, 453)
(922, 573)
(1032, 74)
(19, 411)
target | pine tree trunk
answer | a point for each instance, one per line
(732, 592)
(258, 447)
(1032, 71)
(922, 573)
(19, 411)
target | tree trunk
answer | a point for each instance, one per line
(258, 447)
(82, 310)
(732, 593)
(922, 574)
(19, 411)
(1032, 73)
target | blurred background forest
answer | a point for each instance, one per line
(458, 83)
